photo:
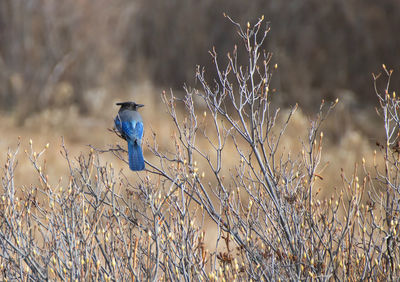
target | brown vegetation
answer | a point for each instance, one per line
(232, 190)
(55, 53)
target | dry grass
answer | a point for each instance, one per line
(342, 148)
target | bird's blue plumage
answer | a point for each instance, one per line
(136, 161)
(129, 123)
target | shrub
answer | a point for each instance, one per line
(227, 180)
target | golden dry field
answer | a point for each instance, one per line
(348, 137)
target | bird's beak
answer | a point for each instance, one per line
(139, 105)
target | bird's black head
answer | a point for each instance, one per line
(129, 106)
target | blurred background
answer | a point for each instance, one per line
(63, 64)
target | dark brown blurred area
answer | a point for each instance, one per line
(55, 53)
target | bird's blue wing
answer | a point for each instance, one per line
(133, 130)
(139, 130)
(128, 128)
(117, 122)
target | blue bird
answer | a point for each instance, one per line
(129, 123)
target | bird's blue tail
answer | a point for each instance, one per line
(136, 161)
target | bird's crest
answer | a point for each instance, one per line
(129, 105)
